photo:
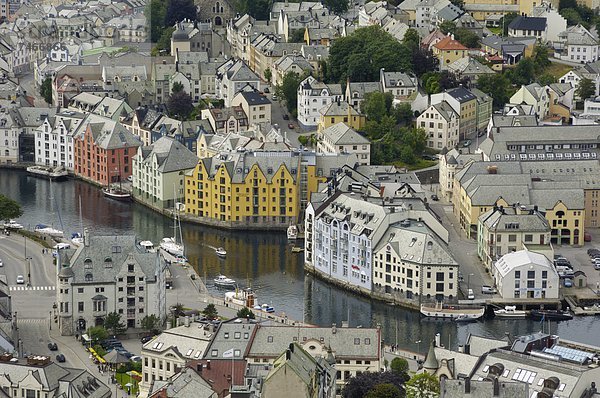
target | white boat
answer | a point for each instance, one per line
(46, 230)
(117, 193)
(220, 252)
(292, 232)
(510, 311)
(12, 224)
(147, 246)
(243, 297)
(53, 173)
(171, 246)
(223, 281)
(452, 311)
(267, 308)
(464, 319)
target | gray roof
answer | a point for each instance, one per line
(341, 134)
(445, 110)
(513, 219)
(469, 66)
(254, 98)
(461, 94)
(107, 133)
(398, 79)
(233, 334)
(185, 384)
(170, 155)
(514, 121)
(362, 88)
(528, 23)
(483, 389)
(186, 342)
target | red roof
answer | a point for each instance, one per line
(448, 43)
(219, 373)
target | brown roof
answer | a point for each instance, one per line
(219, 373)
(448, 43)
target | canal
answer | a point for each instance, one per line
(259, 259)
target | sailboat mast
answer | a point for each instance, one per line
(80, 216)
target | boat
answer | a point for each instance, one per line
(116, 193)
(147, 246)
(510, 312)
(223, 281)
(76, 238)
(171, 246)
(451, 311)
(267, 308)
(12, 224)
(297, 249)
(464, 319)
(292, 232)
(46, 230)
(54, 173)
(220, 252)
(244, 297)
(551, 315)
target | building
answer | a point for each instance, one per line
(297, 374)
(484, 108)
(450, 164)
(40, 376)
(159, 172)
(356, 92)
(341, 112)
(577, 44)
(234, 76)
(528, 26)
(470, 68)
(256, 107)
(109, 274)
(555, 22)
(103, 150)
(267, 48)
(448, 51)
(464, 103)
(505, 230)
(441, 124)
(535, 96)
(185, 383)
(54, 140)
(294, 63)
(339, 138)
(217, 13)
(312, 97)
(226, 120)
(400, 84)
(167, 354)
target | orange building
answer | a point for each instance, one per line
(449, 50)
(103, 150)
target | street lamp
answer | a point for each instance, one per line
(50, 320)
(28, 259)
(469, 281)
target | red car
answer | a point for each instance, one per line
(290, 126)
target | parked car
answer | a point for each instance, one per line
(291, 126)
(274, 97)
(1, 263)
(471, 294)
(597, 266)
(427, 156)
(130, 178)
(481, 133)
(434, 198)
(593, 251)
(286, 116)
(146, 339)
(466, 143)
(488, 289)
(568, 282)
(136, 358)
(60, 358)
(61, 246)
(267, 90)
(52, 346)
(20, 280)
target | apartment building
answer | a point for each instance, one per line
(266, 49)
(356, 92)
(256, 107)
(441, 123)
(340, 112)
(577, 44)
(464, 103)
(528, 26)
(54, 139)
(227, 120)
(312, 97)
(450, 164)
(232, 77)
(449, 50)
(525, 274)
(401, 85)
(339, 138)
(109, 274)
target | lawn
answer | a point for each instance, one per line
(124, 378)
(420, 164)
(557, 70)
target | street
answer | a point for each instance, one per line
(278, 109)
(27, 83)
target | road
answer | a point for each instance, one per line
(27, 83)
(278, 109)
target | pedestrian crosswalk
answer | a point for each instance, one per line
(23, 287)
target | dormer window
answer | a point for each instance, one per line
(87, 263)
(108, 262)
(89, 277)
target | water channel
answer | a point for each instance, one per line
(263, 260)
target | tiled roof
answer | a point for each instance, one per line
(448, 43)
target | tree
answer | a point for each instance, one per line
(155, 18)
(210, 312)
(177, 87)
(177, 310)
(523, 73)
(268, 75)
(178, 10)
(164, 41)
(403, 113)
(336, 6)
(296, 36)
(288, 90)
(422, 385)
(9, 208)
(585, 89)
(151, 323)
(571, 15)
(546, 79)
(411, 39)
(424, 61)
(46, 90)
(113, 324)
(399, 365)
(180, 105)
(498, 86)
(448, 27)
(245, 313)
(384, 390)
(506, 20)
(97, 334)
(257, 9)
(541, 58)
(360, 385)
(376, 105)
(567, 4)
(467, 38)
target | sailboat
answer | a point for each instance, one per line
(114, 192)
(46, 230)
(77, 237)
(170, 244)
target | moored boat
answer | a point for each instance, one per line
(171, 246)
(510, 311)
(223, 281)
(76, 238)
(292, 232)
(451, 311)
(221, 252)
(116, 193)
(53, 173)
(550, 315)
(12, 224)
(464, 319)
(147, 246)
(243, 297)
(267, 308)
(297, 249)
(46, 230)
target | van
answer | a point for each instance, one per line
(470, 294)
(485, 289)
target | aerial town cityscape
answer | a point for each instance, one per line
(385, 198)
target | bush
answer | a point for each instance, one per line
(303, 140)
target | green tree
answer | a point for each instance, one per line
(178, 10)
(9, 208)
(303, 140)
(257, 9)
(177, 310)
(363, 383)
(336, 6)
(506, 20)
(155, 18)
(210, 311)
(164, 42)
(422, 385)
(432, 82)
(113, 324)
(46, 90)
(571, 15)
(384, 390)
(424, 61)
(268, 75)
(151, 323)
(523, 73)
(541, 58)
(180, 105)
(448, 27)
(288, 90)
(97, 334)
(376, 105)
(498, 86)
(403, 113)
(177, 87)
(546, 79)
(567, 4)
(296, 36)
(399, 365)
(467, 38)
(585, 89)
(411, 39)
(245, 313)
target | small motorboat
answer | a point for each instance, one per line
(223, 281)
(292, 232)
(147, 246)
(117, 194)
(221, 252)
(171, 246)
(12, 224)
(550, 315)
(267, 308)
(441, 311)
(464, 319)
(46, 230)
(510, 312)
(77, 239)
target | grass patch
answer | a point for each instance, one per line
(497, 30)
(420, 164)
(124, 378)
(557, 70)
(35, 238)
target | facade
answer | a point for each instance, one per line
(341, 112)
(356, 92)
(525, 274)
(103, 150)
(256, 107)
(535, 96)
(109, 274)
(528, 26)
(450, 164)
(227, 120)
(577, 44)
(54, 140)
(464, 102)
(504, 230)
(401, 85)
(295, 63)
(339, 138)
(312, 97)
(159, 172)
(441, 123)
(448, 51)
(232, 77)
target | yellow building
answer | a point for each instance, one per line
(449, 50)
(257, 189)
(341, 112)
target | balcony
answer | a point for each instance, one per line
(97, 313)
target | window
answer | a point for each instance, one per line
(80, 306)
(357, 341)
(531, 274)
(79, 290)
(269, 339)
(544, 274)
(517, 274)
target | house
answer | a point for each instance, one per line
(196, 37)
(534, 95)
(320, 36)
(555, 22)
(509, 49)
(339, 138)
(257, 107)
(561, 100)
(529, 26)
(441, 124)
(54, 139)
(448, 50)
(450, 164)
(464, 103)
(340, 112)
(525, 274)
(187, 382)
(431, 39)
(373, 13)
(503, 230)
(396, 28)
(426, 12)
(297, 374)
(103, 150)
(498, 121)
(470, 68)
(227, 120)
(159, 171)
(356, 91)
(109, 274)
(141, 122)
(577, 44)
(312, 97)
(484, 110)
(295, 63)
(234, 76)
(400, 84)
(266, 48)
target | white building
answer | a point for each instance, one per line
(426, 12)
(313, 96)
(232, 77)
(525, 274)
(401, 85)
(441, 123)
(54, 139)
(340, 138)
(109, 274)
(577, 44)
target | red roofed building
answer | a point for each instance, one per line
(449, 50)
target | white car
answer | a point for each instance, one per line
(471, 294)
(1, 263)
(61, 245)
(20, 280)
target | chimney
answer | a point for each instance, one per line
(208, 364)
(333, 328)
(438, 340)
(467, 386)
(199, 367)
(86, 237)
(291, 347)
(496, 387)
(186, 321)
